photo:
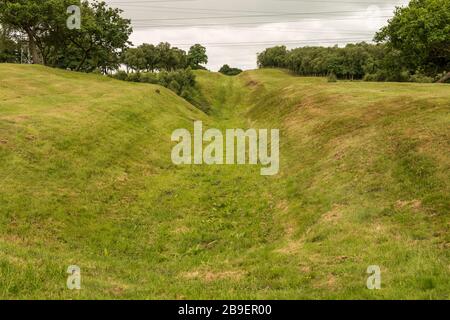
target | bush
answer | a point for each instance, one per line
(178, 80)
(187, 94)
(182, 82)
(404, 76)
(421, 78)
(388, 75)
(226, 70)
(149, 77)
(120, 75)
(370, 77)
(134, 77)
(174, 86)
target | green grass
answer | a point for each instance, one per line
(86, 179)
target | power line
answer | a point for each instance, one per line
(309, 31)
(290, 30)
(245, 23)
(254, 16)
(286, 42)
(133, 4)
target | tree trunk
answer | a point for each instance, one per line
(35, 54)
(444, 78)
(82, 61)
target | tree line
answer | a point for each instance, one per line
(150, 58)
(414, 46)
(100, 43)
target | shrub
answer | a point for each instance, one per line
(404, 76)
(182, 82)
(388, 75)
(120, 75)
(178, 80)
(226, 70)
(187, 94)
(174, 86)
(134, 77)
(421, 78)
(149, 77)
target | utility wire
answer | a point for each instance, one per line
(255, 16)
(244, 23)
(198, 10)
(287, 42)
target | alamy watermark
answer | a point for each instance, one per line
(74, 20)
(74, 278)
(229, 148)
(374, 280)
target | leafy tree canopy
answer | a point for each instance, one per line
(96, 45)
(197, 56)
(227, 70)
(421, 34)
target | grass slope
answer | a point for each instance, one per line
(86, 179)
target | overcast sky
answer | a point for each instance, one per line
(234, 31)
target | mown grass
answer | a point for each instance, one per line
(86, 179)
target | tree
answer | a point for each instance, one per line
(273, 57)
(197, 56)
(414, 46)
(178, 59)
(164, 53)
(9, 47)
(135, 59)
(33, 18)
(227, 70)
(420, 33)
(151, 56)
(99, 43)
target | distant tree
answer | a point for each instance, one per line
(197, 56)
(179, 59)
(273, 57)
(135, 59)
(227, 70)
(355, 61)
(414, 46)
(151, 56)
(355, 57)
(170, 58)
(420, 33)
(164, 51)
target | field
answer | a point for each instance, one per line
(86, 179)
